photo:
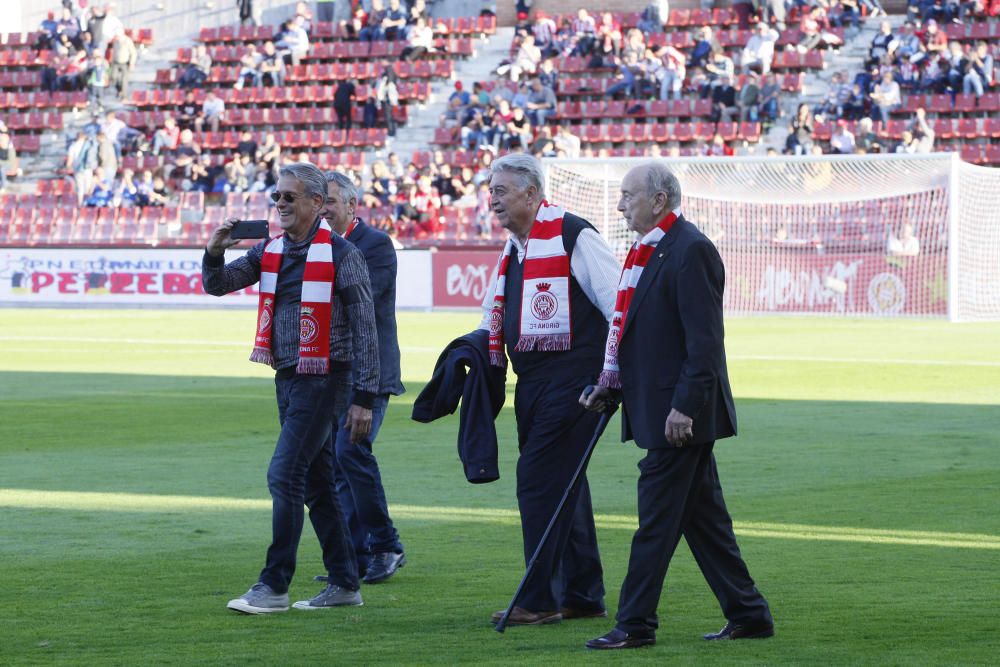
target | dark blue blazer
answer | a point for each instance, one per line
(671, 352)
(380, 255)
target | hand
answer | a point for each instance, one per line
(595, 398)
(359, 423)
(220, 240)
(679, 429)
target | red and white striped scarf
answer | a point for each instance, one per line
(315, 308)
(545, 317)
(638, 257)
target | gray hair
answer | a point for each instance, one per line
(346, 185)
(309, 175)
(526, 167)
(659, 178)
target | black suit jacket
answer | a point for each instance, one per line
(380, 255)
(463, 371)
(671, 353)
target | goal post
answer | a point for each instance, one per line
(858, 236)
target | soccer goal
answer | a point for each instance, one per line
(875, 235)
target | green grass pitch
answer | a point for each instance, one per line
(865, 486)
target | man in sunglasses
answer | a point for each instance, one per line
(316, 329)
(359, 482)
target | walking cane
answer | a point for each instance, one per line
(601, 425)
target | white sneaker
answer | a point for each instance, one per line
(260, 599)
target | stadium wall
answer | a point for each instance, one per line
(172, 277)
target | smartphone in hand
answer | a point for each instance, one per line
(249, 229)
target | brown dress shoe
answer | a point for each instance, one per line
(570, 613)
(521, 616)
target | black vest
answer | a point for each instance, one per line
(589, 328)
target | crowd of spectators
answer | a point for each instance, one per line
(90, 50)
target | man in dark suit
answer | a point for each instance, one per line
(666, 354)
(359, 483)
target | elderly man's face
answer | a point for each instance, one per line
(338, 209)
(635, 204)
(296, 210)
(514, 204)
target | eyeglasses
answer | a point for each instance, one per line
(289, 197)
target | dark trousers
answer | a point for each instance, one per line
(680, 494)
(553, 433)
(359, 488)
(301, 473)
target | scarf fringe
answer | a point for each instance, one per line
(551, 343)
(313, 366)
(498, 359)
(611, 379)
(262, 356)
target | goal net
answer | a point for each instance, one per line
(876, 235)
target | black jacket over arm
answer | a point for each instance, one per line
(463, 371)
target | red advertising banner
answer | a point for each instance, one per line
(782, 280)
(461, 277)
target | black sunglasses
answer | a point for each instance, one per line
(289, 197)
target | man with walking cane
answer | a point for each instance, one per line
(548, 312)
(665, 354)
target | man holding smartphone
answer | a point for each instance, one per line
(316, 329)
(359, 483)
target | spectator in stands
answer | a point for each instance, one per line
(815, 28)
(865, 139)
(935, 40)
(884, 44)
(8, 160)
(584, 33)
(115, 129)
(250, 63)
(544, 31)
(885, 98)
(198, 70)
(748, 99)
(718, 66)
(842, 140)
(705, 45)
(743, 9)
(718, 147)
(654, 16)
(427, 203)
(609, 34)
(203, 175)
(832, 106)
(303, 12)
(185, 155)
(979, 71)
(107, 159)
(800, 139)
(123, 58)
(909, 46)
(237, 174)
(269, 152)
(101, 190)
(541, 103)
(394, 22)
(213, 111)
(272, 66)
(98, 80)
(167, 136)
(188, 111)
(626, 78)
(906, 244)
(923, 134)
(343, 103)
(247, 145)
(758, 54)
(670, 73)
(421, 41)
(519, 131)
(770, 90)
(371, 31)
(81, 159)
(724, 100)
(125, 190)
(843, 12)
(160, 194)
(48, 32)
(293, 40)
(525, 62)
(387, 94)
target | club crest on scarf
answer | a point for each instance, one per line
(266, 314)
(544, 304)
(544, 325)
(308, 326)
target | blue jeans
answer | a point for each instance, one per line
(301, 473)
(359, 487)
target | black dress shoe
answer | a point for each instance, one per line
(732, 630)
(620, 639)
(383, 566)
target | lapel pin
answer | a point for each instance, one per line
(661, 254)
